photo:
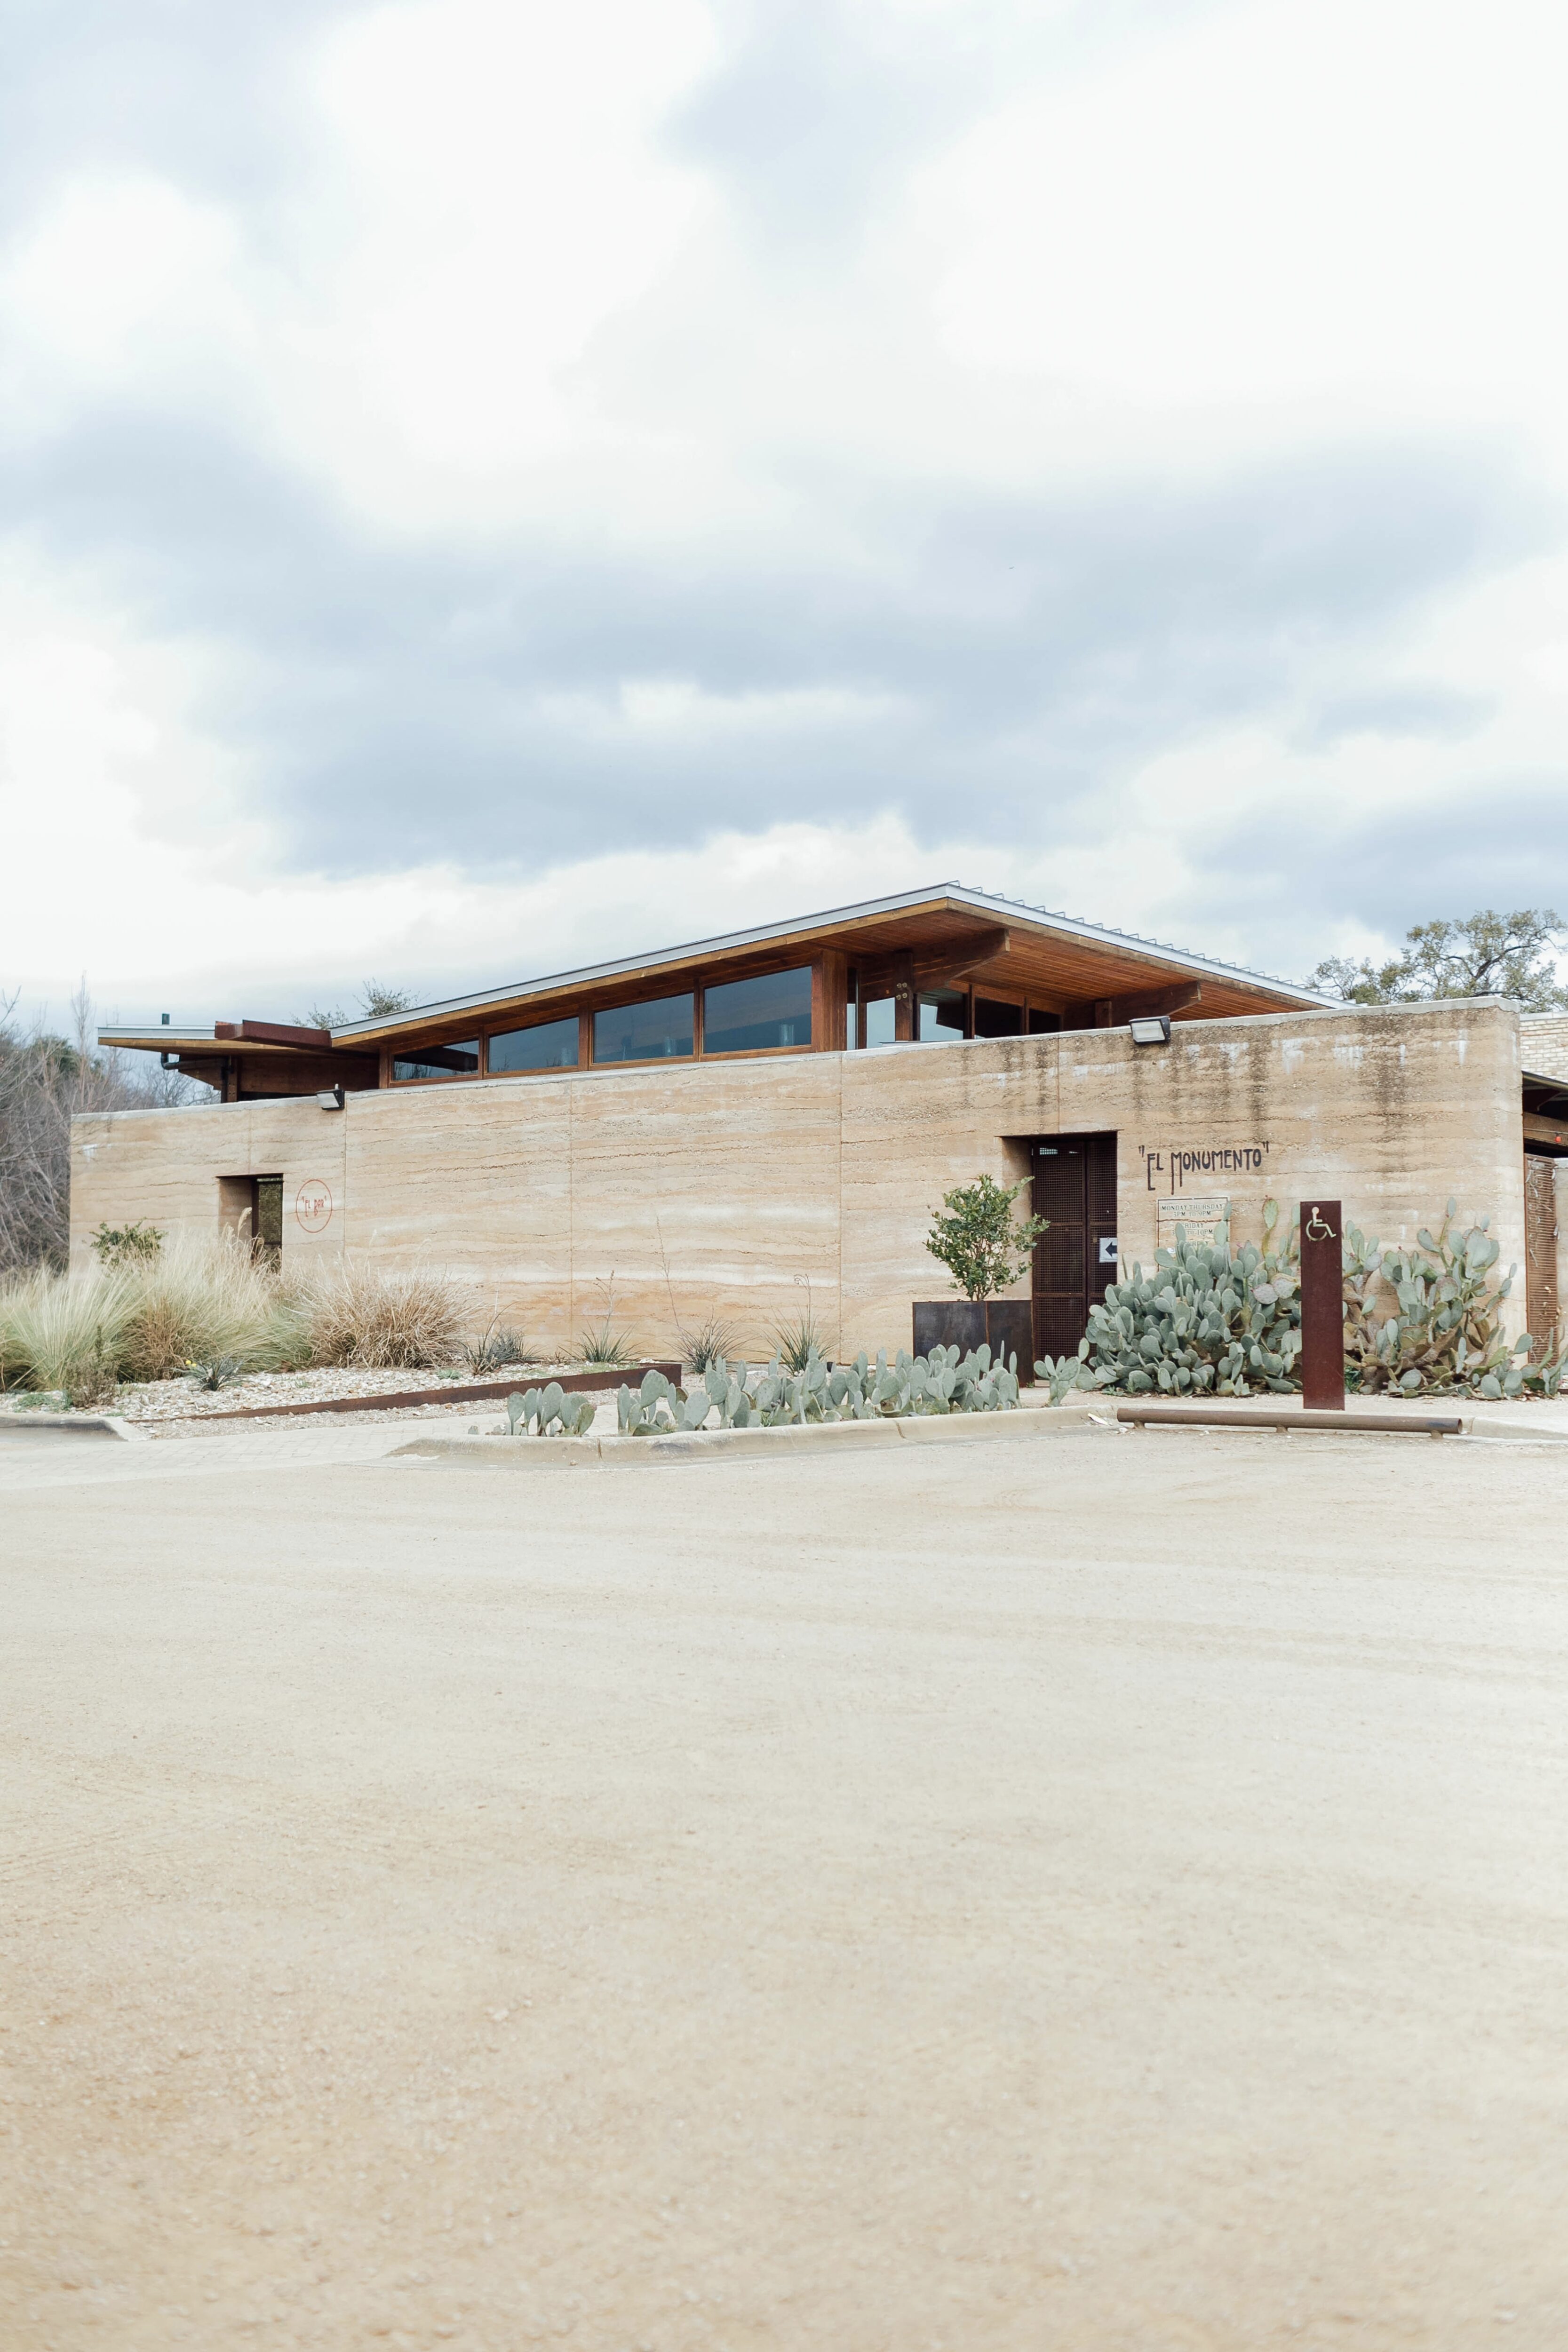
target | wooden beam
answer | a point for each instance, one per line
(932, 967)
(281, 1032)
(1144, 1004)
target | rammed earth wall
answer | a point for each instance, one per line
(827, 1166)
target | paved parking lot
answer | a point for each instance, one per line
(1107, 1892)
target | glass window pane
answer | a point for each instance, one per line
(439, 1061)
(752, 1016)
(879, 1021)
(644, 1032)
(548, 1045)
(941, 1016)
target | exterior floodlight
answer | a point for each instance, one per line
(332, 1101)
(1156, 1031)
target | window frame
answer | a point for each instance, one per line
(760, 1052)
(438, 1078)
(520, 1029)
(646, 1061)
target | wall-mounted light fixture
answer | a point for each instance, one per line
(331, 1102)
(1156, 1031)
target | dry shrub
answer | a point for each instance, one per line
(195, 1302)
(203, 1302)
(146, 1319)
(378, 1316)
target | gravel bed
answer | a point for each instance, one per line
(160, 1402)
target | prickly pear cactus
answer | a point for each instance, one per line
(730, 1397)
(549, 1412)
(1427, 1320)
(1207, 1322)
(1418, 1321)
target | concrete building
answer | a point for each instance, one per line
(734, 1126)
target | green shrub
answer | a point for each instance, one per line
(978, 1242)
(195, 1303)
(126, 1244)
(64, 1331)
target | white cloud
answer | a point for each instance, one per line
(972, 524)
(1352, 206)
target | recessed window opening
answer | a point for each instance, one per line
(768, 1014)
(943, 1012)
(251, 1209)
(548, 1045)
(661, 1030)
(993, 1019)
(437, 1062)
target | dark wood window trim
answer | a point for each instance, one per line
(557, 1070)
(761, 1053)
(828, 997)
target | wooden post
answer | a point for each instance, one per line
(906, 1003)
(1322, 1307)
(829, 997)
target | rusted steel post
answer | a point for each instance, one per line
(1322, 1307)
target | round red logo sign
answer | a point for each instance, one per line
(313, 1205)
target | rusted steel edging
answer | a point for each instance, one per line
(1386, 1425)
(449, 1393)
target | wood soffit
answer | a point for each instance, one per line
(941, 943)
(1087, 982)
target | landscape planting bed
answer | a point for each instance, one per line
(340, 1389)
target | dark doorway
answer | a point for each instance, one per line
(1075, 1259)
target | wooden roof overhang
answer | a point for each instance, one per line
(1089, 976)
(247, 1060)
(949, 937)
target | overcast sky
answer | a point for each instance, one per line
(487, 484)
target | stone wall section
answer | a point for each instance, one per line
(1543, 1043)
(744, 1187)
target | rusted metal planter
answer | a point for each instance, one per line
(1005, 1325)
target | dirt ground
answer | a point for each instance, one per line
(1103, 1893)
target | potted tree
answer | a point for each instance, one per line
(984, 1248)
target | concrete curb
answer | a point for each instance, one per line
(719, 1445)
(75, 1424)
